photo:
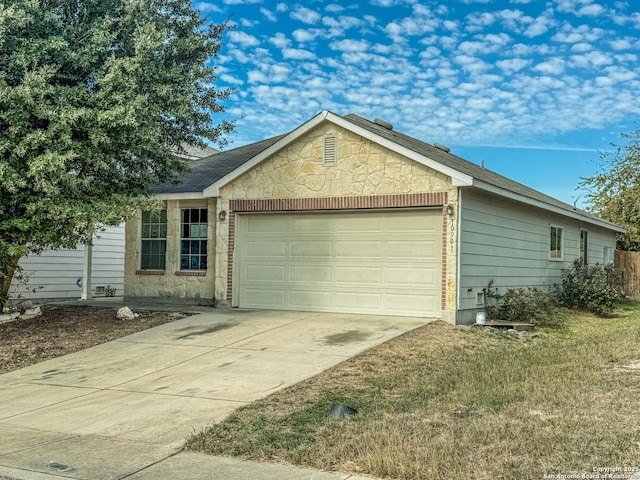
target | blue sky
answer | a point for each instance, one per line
(534, 88)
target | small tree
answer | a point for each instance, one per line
(96, 96)
(614, 192)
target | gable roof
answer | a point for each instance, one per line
(209, 174)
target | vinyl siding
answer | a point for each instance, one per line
(54, 273)
(508, 242)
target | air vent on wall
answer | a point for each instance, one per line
(329, 154)
(100, 290)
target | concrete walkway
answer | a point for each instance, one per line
(123, 409)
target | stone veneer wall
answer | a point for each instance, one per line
(171, 283)
(363, 169)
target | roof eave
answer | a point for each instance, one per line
(213, 190)
(180, 196)
(568, 212)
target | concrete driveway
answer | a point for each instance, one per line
(113, 410)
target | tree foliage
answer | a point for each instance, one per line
(96, 96)
(614, 192)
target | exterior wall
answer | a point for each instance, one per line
(171, 283)
(54, 273)
(509, 244)
(377, 177)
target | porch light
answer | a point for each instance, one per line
(450, 210)
(222, 215)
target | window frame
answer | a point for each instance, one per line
(151, 240)
(560, 250)
(583, 247)
(194, 235)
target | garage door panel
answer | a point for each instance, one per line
(267, 224)
(309, 225)
(266, 249)
(258, 297)
(359, 249)
(355, 300)
(310, 273)
(385, 261)
(358, 274)
(265, 273)
(414, 249)
(411, 276)
(303, 298)
(370, 224)
(310, 249)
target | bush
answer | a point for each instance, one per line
(530, 305)
(592, 288)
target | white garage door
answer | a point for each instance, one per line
(384, 261)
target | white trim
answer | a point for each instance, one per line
(214, 189)
(557, 227)
(458, 178)
(576, 215)
(180, 196)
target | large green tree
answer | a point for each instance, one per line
(96, 96)
(614, 192)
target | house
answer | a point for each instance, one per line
(61, 274)
(344, 214)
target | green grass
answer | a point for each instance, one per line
(447, 402)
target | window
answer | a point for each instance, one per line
(555, 248)
(584, 244)
(329, 154)
(193, 239)
(154, 240)
(608, 256)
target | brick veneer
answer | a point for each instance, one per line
(338, 203)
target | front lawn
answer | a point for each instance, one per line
(445, 402)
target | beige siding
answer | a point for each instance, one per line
(508, 242)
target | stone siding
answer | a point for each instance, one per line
(171, 283)
(363, 168)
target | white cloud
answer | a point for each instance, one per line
(349, 45)
(305, 15)
(620, 44)
(297, 54)
(240, 2)
(553, 66)
(581, 47)
(334, 8)
(243, 39)
(592, 10)
(268, 14)
(512, 65)
(308, 35)
(539, 26)
(208, 7)
(280, 40)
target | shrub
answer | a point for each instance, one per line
(530, 305)
(590, 287)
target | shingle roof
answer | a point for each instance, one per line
(464, 166)
(205, 171)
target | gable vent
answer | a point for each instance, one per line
(329, 155)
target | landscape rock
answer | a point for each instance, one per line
(125, 313)
(30, 312)
(5, 317)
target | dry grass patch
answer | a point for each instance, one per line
(445, 402)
